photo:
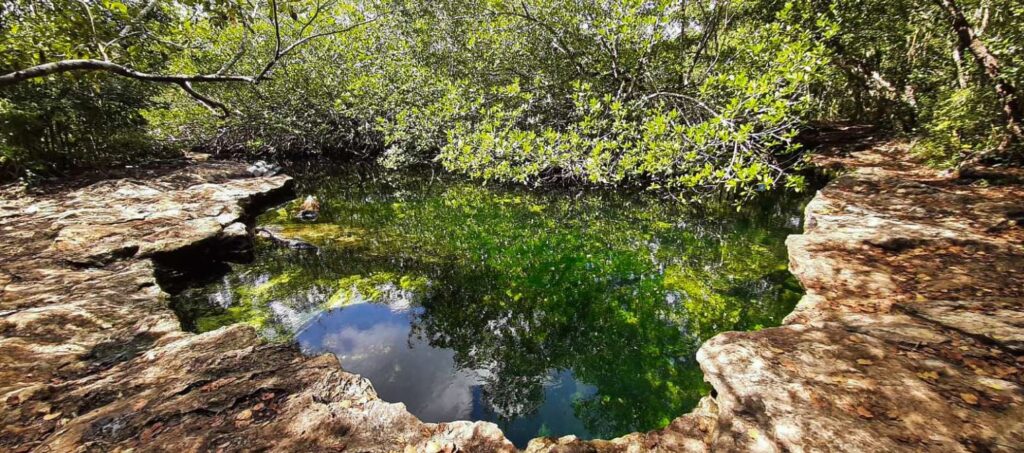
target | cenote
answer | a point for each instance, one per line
(549, 312)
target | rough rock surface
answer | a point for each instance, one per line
(92, 358)
(910, 337)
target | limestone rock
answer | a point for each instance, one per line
(909, 337)
(91, 357)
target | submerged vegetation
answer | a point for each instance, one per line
(504, 290)
(697, 97)
(668, 137)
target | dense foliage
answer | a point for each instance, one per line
(74, 121)
(899, 62)
(696, 96)
(661, 94)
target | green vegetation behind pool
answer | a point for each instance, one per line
(548, 312)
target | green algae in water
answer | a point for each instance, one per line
(547, 312)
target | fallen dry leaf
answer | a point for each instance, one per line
(930, 376)
(864, 412)
(817, 401)
(213, 386)
(864, 362)
(244, 415)
(994, 385)
(51, 416)
(148, 433)
(969, 398)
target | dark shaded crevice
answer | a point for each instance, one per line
(121, 254)
(897, 244)
(175, 276)
(108, 354)
(942, 327)
(208, 260)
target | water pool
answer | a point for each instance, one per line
(548, 312)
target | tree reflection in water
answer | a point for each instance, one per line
(549, 312)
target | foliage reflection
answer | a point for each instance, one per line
(615, 291)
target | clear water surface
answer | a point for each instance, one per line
(547, 312)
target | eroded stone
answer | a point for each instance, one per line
(908, 339)
(91, 356)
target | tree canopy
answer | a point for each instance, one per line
(696, 97)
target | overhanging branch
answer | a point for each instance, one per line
(210, 103)
(183, 81)
(58, 67)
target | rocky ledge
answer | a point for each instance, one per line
(910, 337)
(92, 358)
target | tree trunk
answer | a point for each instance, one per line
(1007, 92)
(961, 72)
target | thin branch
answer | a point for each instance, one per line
(238, 54)
(283, 53)
(556, 37)
(92, 25)
(138, 18)
(687, 98)
(183, 81)
(212, 104)
(118, 38)
(58, 67)
(277, 30)
(320, 7)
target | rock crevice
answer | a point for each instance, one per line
(92, 358)
(909, 338)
